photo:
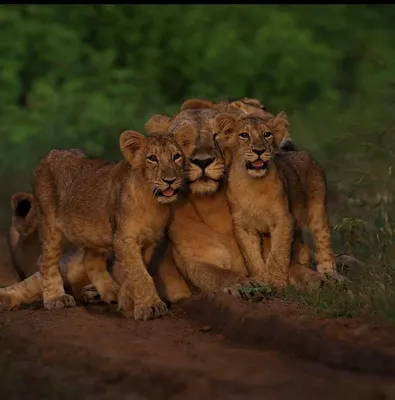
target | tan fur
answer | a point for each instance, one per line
(203, 242)
(21, 247)
(103, 206)
(201, 233)
(244, 106)
(285, 189)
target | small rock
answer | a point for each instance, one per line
(206, 328)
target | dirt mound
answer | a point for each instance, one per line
(93, 352)
(343, 343)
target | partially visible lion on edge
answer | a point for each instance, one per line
(20, 247)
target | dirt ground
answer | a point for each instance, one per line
(208, 348)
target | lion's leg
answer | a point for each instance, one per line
(212, 279)
(138, 296)
(301, 252)
(54, 295)
(319, 225)
(96, 269)
(278, 260)
(173, 286)
(74, 273)
(250, 245)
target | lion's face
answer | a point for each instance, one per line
(194, 131)
(205, 165)
(161, 160)
(252, 141)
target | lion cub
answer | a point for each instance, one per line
(270, 192)
(104, 206)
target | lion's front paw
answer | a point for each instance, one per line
(248, 289)
(110, 294)
(309, 280)
(90, 295)
(328, 269)
(156, 310)
(145, 312)
(64, 301)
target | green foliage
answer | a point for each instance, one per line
(78, 75)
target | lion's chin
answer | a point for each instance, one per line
(167, 196)
(204, 186)
(257, 173)
(167, 200)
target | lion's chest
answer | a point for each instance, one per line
(253, 203)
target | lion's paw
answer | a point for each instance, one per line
(109, 294)
(64, 301)
(144, 313)
(157, 310)
(90, 295)
(336, 278)
(249, 289)
(310, 280)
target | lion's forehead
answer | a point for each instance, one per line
(198, 118)
(255, 126)
(162, 145)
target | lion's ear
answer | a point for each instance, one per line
(158, 124)
(132, 145)
(252, 102)
(23, 213)
(196, 104)
(279, 124)
(240, 106)
(185, 136)
(224, 126)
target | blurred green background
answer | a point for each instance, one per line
(78, 75)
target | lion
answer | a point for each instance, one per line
(244, 106)
(269, 192)
(102, 206)
(203, 243)
(20, 248)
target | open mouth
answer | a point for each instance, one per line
(169, 192)
(257, 164)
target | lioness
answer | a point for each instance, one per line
(103, 206)
(269, 191)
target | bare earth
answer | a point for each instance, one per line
(208, 348)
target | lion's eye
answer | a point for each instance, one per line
(152, 158)
(176, 156)
(244, 135)
(267, 135)
(215, 135)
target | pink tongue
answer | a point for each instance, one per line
(257, 163)
(168, 192)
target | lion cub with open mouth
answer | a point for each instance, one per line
(270, 192)
(105, 206)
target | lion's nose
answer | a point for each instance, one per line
(169, 181)
(203, 161)
(258, 151)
